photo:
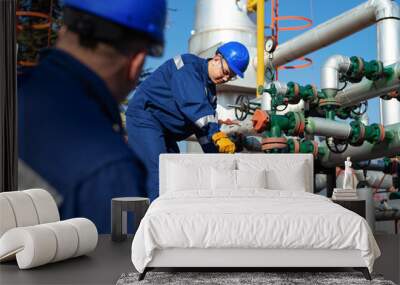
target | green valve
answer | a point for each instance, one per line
(373, 133)
(389, 135)
(306, 147)
(356, 70)
(374, 70)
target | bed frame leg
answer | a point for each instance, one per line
(143, 274)
(364, 271)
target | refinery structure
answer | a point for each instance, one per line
(285, 117)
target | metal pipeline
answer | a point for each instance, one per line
(328, 128)
(377, 179)
(334, 30)
(368, 89)
(260, 45)
(388, 46)
(332, 68)
(366, 150)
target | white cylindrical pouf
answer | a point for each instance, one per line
(45, 205)
(67, 240)
(7, 217)
(23, 207)
(33, 246)
(87, 234)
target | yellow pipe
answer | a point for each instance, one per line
(260, 46)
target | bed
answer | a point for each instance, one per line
(247, 210)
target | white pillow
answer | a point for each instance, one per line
(182, 177)
(292, 179)
(187, 175)
(251, 178)
(284, 171)
(223, 179)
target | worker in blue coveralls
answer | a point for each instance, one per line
(178, 100)
(70, 130)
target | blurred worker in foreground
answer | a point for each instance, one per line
(179, 100)
(70, 129)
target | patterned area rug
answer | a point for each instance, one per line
(242, 278)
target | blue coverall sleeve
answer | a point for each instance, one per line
(191, 97)
(117, 179)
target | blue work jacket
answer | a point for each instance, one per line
(70, 133)
(181, 97)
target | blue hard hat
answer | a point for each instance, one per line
(147, 16)
(236, 55)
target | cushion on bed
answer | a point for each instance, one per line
(186, 175)
(231, 180)
(223, 179)
(281, 174)
(251, 178)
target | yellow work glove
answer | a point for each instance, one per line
(225, 145)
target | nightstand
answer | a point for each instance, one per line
(119, 208)
(357, 206)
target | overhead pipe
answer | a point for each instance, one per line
(387, 148)
(335, 29)
(368, 89)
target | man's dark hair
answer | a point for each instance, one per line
(93, 30)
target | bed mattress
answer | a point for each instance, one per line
(251, 219)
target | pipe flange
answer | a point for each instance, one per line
(329, 102)
(383, 133)
(293, 145)
(260, 120)
(314, 90)
(300, 124)
(296, 94)
(378, 135)
(378, 72)
(315, 152)
(273, 143)
(357, 134)
(356, 75)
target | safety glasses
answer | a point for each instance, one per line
(227, 73)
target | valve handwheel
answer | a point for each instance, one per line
(336, 145)
(242, 107)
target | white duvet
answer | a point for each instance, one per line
(250, 219)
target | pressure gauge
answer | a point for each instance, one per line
(270, 44)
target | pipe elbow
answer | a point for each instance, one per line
(385, 9)
(332, 68)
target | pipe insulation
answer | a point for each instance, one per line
(332, 68)
(388, 48)
(327, 128)
(368, 89)
(379, 180)
(366, 150)
(334, 30)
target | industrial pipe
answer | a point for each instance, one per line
(327, 128)
(332, 68)
(334, 30)
(260, 46)
(379, 180)
(387, 148)
(368, 89)
(388, 47)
